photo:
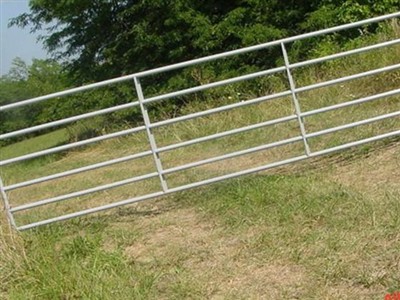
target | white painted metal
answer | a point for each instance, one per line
(84, 192)
(200, 60)
(350, 103)
(7, 204)
(297, 116)
(209, 181)
(295, 100)
(346, 78)
(68, 120)
(150, 136)
(226, 133)
(78, 170)
(72, 145)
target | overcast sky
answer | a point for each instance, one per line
(15, 41)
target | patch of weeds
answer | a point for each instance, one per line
(65, 263)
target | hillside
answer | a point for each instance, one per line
(326, 230)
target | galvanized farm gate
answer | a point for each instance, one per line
(154, 151)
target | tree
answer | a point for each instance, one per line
(101, 39)
(27, 81)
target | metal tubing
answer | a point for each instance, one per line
(240, 173)
(150, 136)
(6, 202)
(90, 211)
(191, 90)
(67, 92)
(356, 143)
(67, 120)
(146, 153)
(214, 84)
(354, 124)
(157, 194)
(343, 54)
(200, 60)
(350, 103)
(83, 192)
(220, 109)
(71, 145)
(199, 88)
(266, 72)
(232, 155)
(226, 133)
(346, 78)
(266, 45)
(148, 126)
(208, 181)
(77, 171)
(295, 101)
(178, 119)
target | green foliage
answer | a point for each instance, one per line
(104, 39)
(24, 82)
(86, 129)
(38, 143)
(59, 266)
(47, 76)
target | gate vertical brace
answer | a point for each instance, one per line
(7, 205)
(150, 136)
(295, 100)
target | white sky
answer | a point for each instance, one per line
(14, 41)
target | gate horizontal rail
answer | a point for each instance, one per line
(201, 60)
(209, 181)
(301, 137)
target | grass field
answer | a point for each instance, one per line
(326, 228)
(318, 231)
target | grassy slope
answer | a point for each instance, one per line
(38, 143)
(310, 233)
(326, 228)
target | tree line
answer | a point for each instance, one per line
(101, 39)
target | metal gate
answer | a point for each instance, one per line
(160, 171)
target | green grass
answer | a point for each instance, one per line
(297, 236)
(41, 142)
(75, 267)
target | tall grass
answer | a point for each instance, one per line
(12, 255)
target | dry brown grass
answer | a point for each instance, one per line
(377, 172)
(225, 264)
(219, 262)
(198, 256)
(12, 254)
